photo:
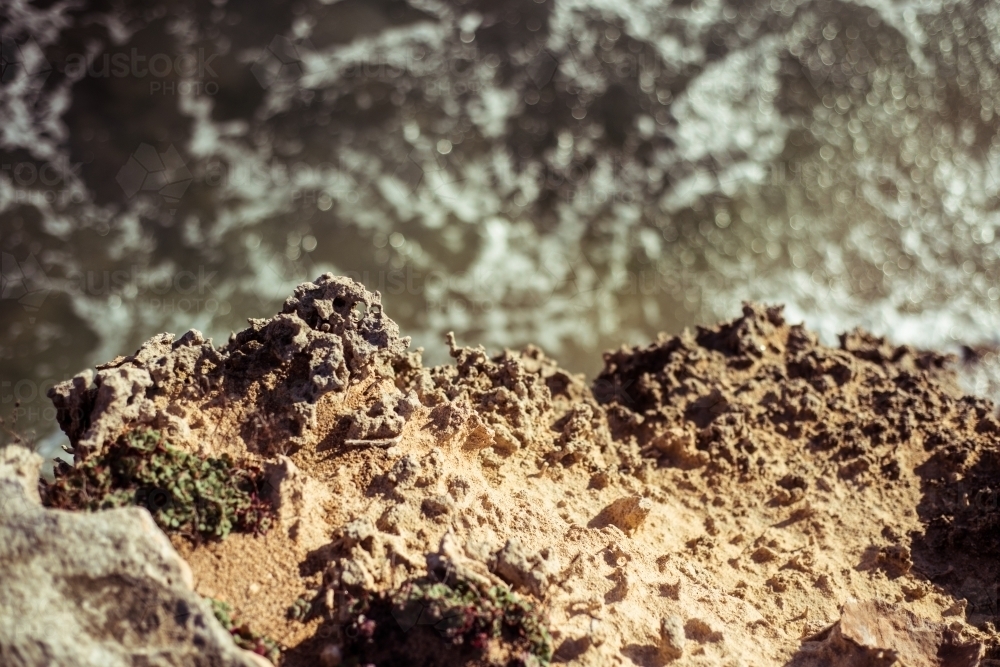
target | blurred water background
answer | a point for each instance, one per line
(572, 173)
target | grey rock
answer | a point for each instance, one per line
(385, 419)
(330, 333)
(102, 589)
(117, 397)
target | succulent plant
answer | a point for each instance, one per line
(462, 612)
(199, 496)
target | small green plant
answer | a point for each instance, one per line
(243, 636)
(301, 610)
(462, 613)
(209, 497)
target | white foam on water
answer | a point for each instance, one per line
(629, 168)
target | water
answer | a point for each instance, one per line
(573, 173)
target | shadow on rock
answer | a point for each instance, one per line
(876, 634)
(959, 548)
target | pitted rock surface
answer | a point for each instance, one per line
(329, 335)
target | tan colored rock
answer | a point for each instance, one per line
(737, 434)
(878, 633)
(672, 639)
(299, 501)
(628, 513)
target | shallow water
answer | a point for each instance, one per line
(573, 173)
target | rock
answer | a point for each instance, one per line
(577, 441)
(298, 499)
(957, 609)
(879, 633)
(513, 566)
(382, 423)
(679, 448)
(20, 468)
(118, 398)
(354, 576)
(451, 557)
(628, 513)
(357, 531)
(102, 589)
(672, 638)
(330, 334)
(437, 505)
(701, 631)
(459, 421)
(763, 554)
(895, 560)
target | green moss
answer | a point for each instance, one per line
(462, 613)
(243, 636)
(208, 497)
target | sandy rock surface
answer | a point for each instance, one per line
(734, 495)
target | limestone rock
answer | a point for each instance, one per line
(628, 513)
(103, 589)
(382, 423)
(330, 334)
(672, 639)
(879, 633)
(298, 499)
(522, 572)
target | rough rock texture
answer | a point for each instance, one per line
(878, 633)
(875, 417)
(672, 638)
(714, 498)
(262, 387)
(96, 590)
(627, 513)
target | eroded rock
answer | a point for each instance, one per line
(878, 633)
(521, 571)
(672, 639)
(270, 376)
(627, 513)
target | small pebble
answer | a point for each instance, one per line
(672, 638)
